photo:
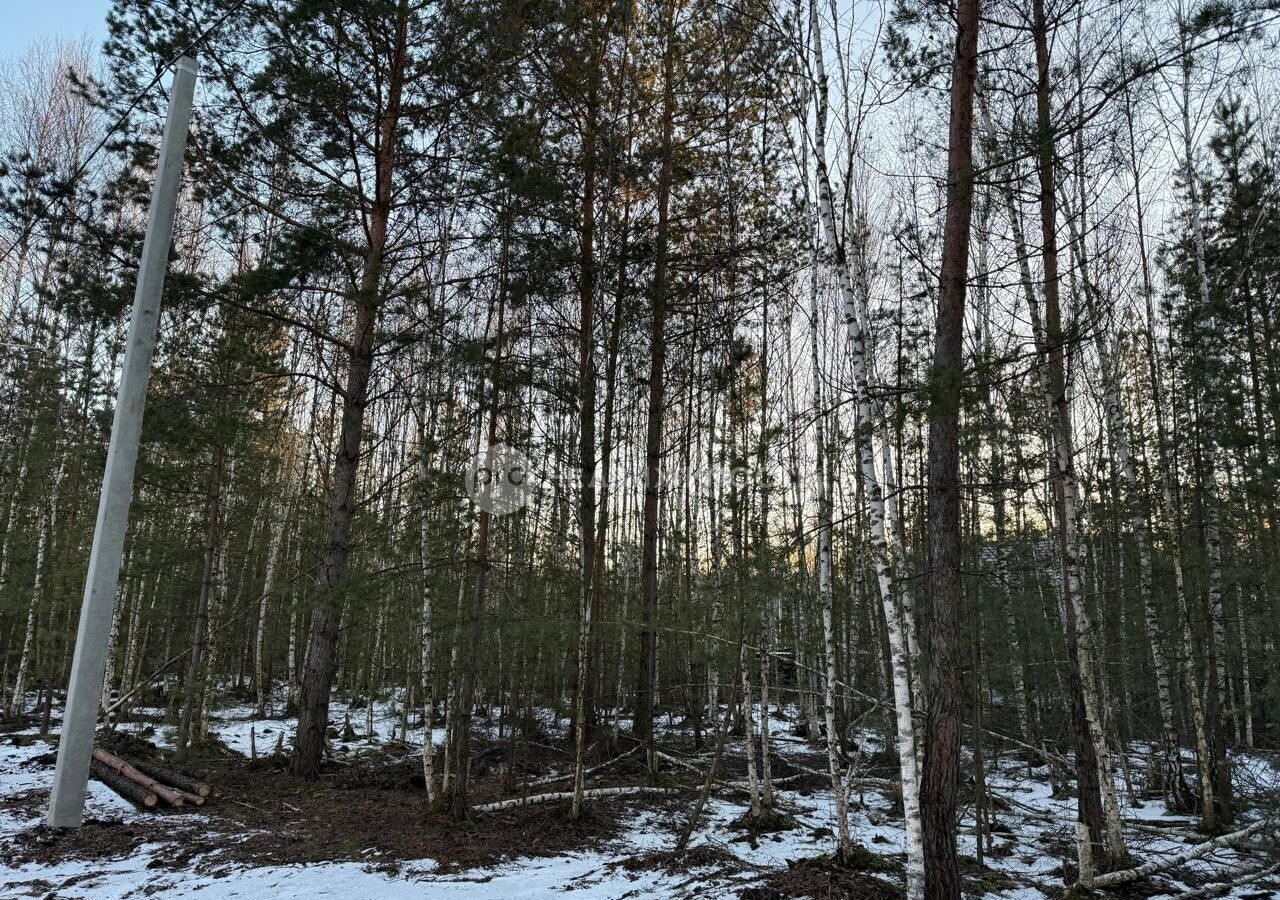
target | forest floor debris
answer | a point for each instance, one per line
(363, 830)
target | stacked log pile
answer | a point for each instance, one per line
(147, 784)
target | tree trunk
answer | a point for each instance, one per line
(643, 726)
(268, 588)
(1093, 770)
(199, 635)
(942, 743)
(322, 660)
(586, 420)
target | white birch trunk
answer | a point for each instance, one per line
(5, 548)
(1164, 864)
(130, 674)
(268, 588)
(580, 698)
(48, 520)
(446, 778)
(1000, 566)
(753, 782)
(874, 499)
(291, 655)
(906, 596)
(1059, 427)
(1213, 547)
(1119, 432)
(113, 635)
(17, 703)
(1063, 450)
(824, 592)
(217, 604)
(426, 674)
(1190, 683)
(1245, 686)
(766, 770)
(1195, 214)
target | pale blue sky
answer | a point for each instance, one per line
(22, 21)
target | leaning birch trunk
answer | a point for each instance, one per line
(722, 733)
(1164, 864)
(874, 500)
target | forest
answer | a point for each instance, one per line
(642, 448)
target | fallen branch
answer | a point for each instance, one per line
(592, 794)
(127, 789)
(863, 781)
(169, 795)
(1018, 808)
(1155, 866)
(677, 761)
(1221, 887)
(551, 779)
(746, 785)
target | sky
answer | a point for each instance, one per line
(26, 20)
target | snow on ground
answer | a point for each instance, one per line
(242, 731)
(1033, 853)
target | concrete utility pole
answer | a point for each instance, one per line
(84, 694)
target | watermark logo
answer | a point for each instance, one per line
(501, 479)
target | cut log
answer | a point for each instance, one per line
(188, 797)
(516, 802)
(177, 779)
(116, 764)
(127, 789)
